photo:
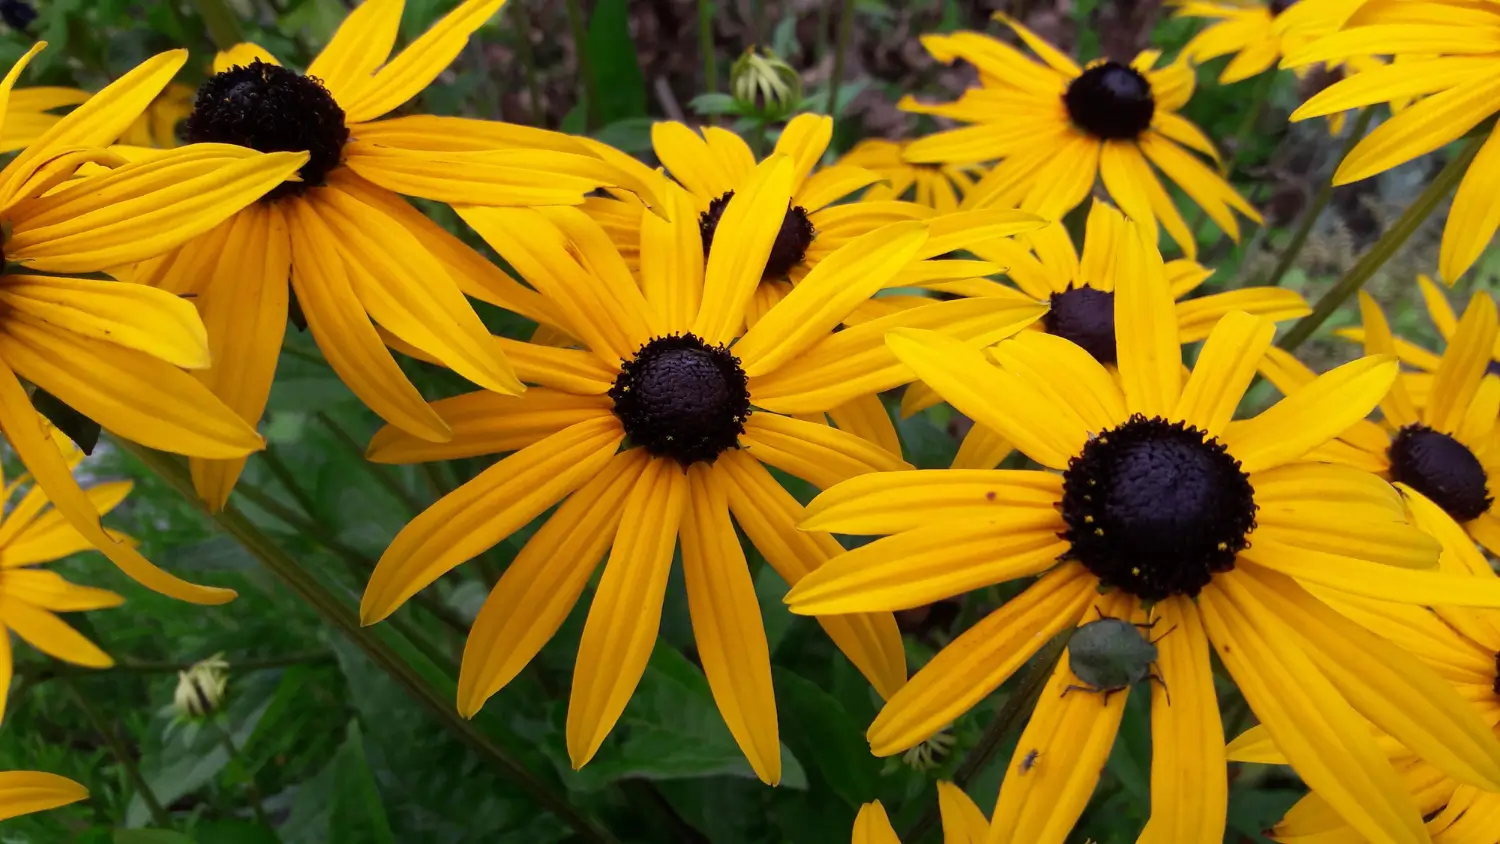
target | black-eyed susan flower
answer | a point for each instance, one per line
(963, 822)
(1258, 34)
(940, 187)
(1157, 499)
(1446, 54)
(1079, 293)
(1057, 129)
(31, 534)
(115, 352)
(26, 792)
(653, 435)
(357, 254)
(1463, 647)
(1441, 452)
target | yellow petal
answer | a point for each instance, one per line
(358, 47)
(626, 613)
(1397, 406)
(1189, 786)
(540, 587)
(818, 454)
(423, 59)
(690, 160)
(24, 792)
(49, 536)
(768, 515)
(804, 140)
(727, 627)
(1471, 220)
(141, 210)
(492, 506)
(245, 53)
(1197, 317)
(1150, 358)
(489, 423)
(866, 417)
(1420, 128)
(48, 590)
(891, 502)
(871, 826)
(50, 634)
(672, 260)
(963, 822)
(981, 449)
(1464, 363)
(1313, 415)
(973, 665)
(747, 229)
(1065, 374)
(1223, 371)
(130, 315)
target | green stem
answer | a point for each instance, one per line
(706, 46)
(1021, 701)
(1315, 210)
(256, 804)
(358, 565)
(382, 474)
(528, 61)
(223, 26)
(1394, 238)
(117, 747)
(272, 458)
(307, 587)
(585, 66)
(846, 23)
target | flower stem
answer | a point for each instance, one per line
(528, 61)
(1394, 238)
(374, 646)
(223, 26)
(251, 789)
(846, 23)
(1021, 701)
(49, 670)
(1310, 216)
(122, 754)
(585, 66)
(706, 46)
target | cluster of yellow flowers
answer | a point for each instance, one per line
(705, 324)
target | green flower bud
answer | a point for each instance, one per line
(765, 84)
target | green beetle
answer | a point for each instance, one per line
(1110, 655)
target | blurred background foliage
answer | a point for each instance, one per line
(316, 743)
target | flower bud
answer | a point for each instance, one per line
(201, 689)
(765, 84)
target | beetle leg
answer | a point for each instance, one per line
(1075, 687)
(1157, 678)
(1162, 636)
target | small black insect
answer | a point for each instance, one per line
(1029, 761)
(1110, 655)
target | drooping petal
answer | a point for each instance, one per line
(727, 626)
(49, 591)
(981, 658)
(1189, 785)
(50, 634)
(626, 613)
(539, 588)
(496, 503)
(49, 536)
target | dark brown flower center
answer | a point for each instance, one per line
(682, 398)
(1111, 101)
(1441, 468)
(792, 240)
(1156, 508)
(1085, 316)
(272, 109)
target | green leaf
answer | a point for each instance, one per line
(358, 816)
(83, 431)
(617, 71)
(631, 135)
(150, 836)
(706, 104)
(818, 728)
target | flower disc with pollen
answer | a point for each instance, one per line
(271, 109)
(682, 398)
(1085, 316)
(1156, 508)
(1441, 468)
(1111, 101)
(792, 240)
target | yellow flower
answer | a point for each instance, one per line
(1080, 294)
(1443, 452)
(1057, 129)
(31, 534)
(1157, 499)
(25, 792)
(714, 165)
(1446, 53)
(357, 254)
(699, 423)
(29, 113)
(940, 187)
(115, 352)
(963, 822)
